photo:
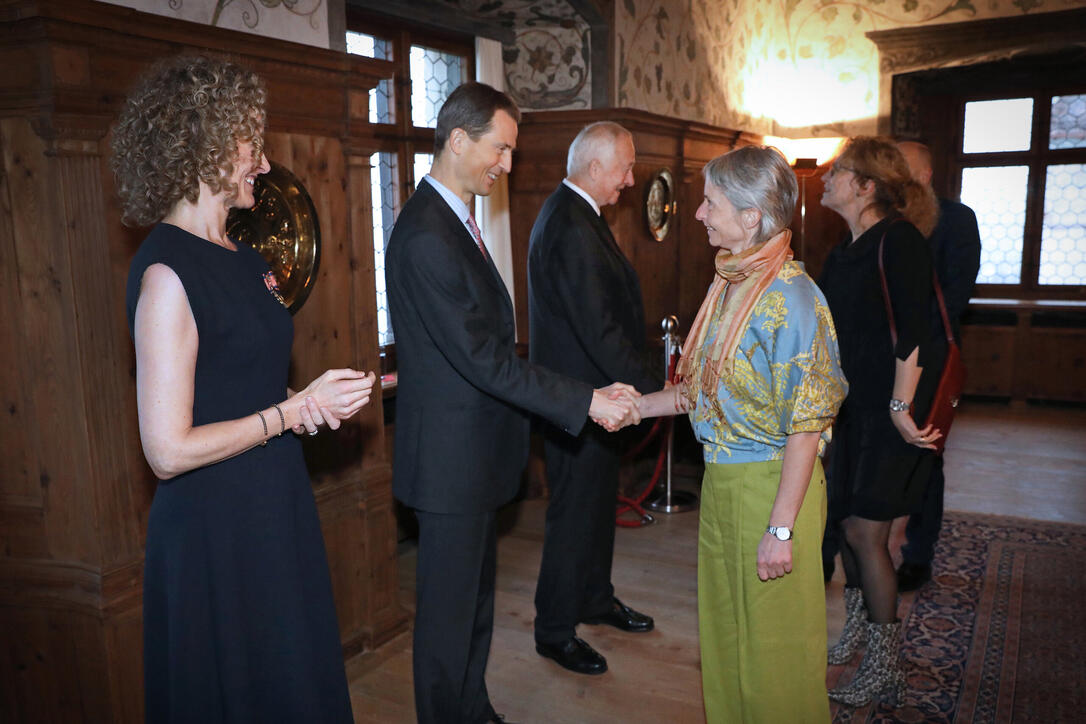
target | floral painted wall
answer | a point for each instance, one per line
(301, 21)
(548, 66)
(781, 67)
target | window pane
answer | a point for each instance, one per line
(423, 162)
(434, 75)
(383, 195)
(382, 107)
(369, 46)
(998, 196)
(1063, 241)
(1068, 129)
(1003, 125)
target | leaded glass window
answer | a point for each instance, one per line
(1068, 124)
(434, 75)
(1063, 240)
(384, 193)
(998, 196)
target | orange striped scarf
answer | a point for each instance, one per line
(710, 348)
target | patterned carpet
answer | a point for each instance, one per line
(997, 636)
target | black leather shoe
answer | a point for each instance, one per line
(623, 617)
(911, 576)
(575, 655)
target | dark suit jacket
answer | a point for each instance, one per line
(955, 251)
(464, 397)
(587, 316)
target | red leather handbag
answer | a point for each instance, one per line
(952, 380)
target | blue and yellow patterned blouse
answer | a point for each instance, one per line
(787, 376)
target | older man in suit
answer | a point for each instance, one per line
(587, 321)
(463, 401)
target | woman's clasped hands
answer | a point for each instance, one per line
(331, 398)
(913, 435)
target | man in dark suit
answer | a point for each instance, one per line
(463, 401)
(955, 248)
(588, 322)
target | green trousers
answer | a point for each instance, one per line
(763, 644)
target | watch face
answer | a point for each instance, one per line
(782, 533)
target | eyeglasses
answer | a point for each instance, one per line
(838, 168)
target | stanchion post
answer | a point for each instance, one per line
(670, 500)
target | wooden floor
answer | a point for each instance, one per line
(1027, 462)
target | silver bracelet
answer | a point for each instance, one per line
(282, 420)
(264, 424)
(897, 405)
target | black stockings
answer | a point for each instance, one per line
(866, 559)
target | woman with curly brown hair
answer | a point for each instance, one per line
(881, 460)
(239, 623)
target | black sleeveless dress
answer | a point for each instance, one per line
(239, 623)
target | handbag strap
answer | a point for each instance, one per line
(889, 307)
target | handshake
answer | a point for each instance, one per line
(615, 406)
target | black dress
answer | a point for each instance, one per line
(239, 623)
(874, 473)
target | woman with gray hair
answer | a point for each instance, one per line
(761, 379)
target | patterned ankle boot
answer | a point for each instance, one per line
(881, 675)
(854, 634)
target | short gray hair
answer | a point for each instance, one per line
(590, 144)
(757, 177)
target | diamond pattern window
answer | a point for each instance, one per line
(998, 196)
(434, 75)
(1063, 235)
(384, 194)
(382, 100)
(1068, 125)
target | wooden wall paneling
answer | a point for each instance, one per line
(20, 487)
(75, 490)
(1025, 349)
(988, 355)
(1057, 366)
(50, 364)
(386, 618)
(823, 230)
(674, 273)
(695, 256)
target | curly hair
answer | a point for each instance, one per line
(180, 126)
(880, 161)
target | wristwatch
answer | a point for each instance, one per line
(897, 405)
(781, 532)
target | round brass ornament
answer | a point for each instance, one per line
(660, 203)
(282, 225)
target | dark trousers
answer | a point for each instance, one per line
(454, 617)
(575, 573)
(922, 531)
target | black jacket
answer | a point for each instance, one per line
(464, 397)
(587, 315)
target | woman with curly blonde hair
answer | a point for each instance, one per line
(239, 623)
(881, 460)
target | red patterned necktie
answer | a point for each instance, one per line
(478, 236)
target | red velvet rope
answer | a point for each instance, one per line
(626, 505)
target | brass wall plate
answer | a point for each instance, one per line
(660, 203)
(282, 225)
